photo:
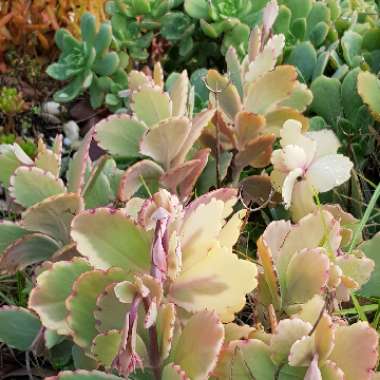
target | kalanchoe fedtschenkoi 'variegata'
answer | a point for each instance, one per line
(49, 205)
(303, 260)
(154, 264)
(254, 99)
(307, 164)
(159, 118)
(311, 346)
(89, 65)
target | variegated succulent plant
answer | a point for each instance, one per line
(253, 100)
(163, 128)
(153, 275)
(284, 249)
(47, 204)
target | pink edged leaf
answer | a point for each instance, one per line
(355, 350)
(53, 216)
(288, 332)
(165, 328)
(198, 123)
(57, 145)
(197, 349)
(48, 161)
(270, 275)
(108, 238)
(137, 79)
(105, 347)
(158, 75)
(145, 171)
(105, 302)
(357, 267)
(234, 69)
(256, 153)
(82, 302)
(32, 185)
(245, 359)
(219, 281)
(226, 93)
(184, 176)
(65, 253)
(247, 127)
(18, 327)
(230, 232)
(200, 229)
(174, 372)
(54, 285)
(120, 135)
(83, 375)
(264, 94)
(78, 164)
(9, 233)
(164, 134)
(29, 249)
(179, 94)
(151, 105)
(276, 119)
(227, 195)
(307, 274)
(11, 157)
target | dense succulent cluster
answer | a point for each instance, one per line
(141, 260)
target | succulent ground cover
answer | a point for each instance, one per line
(203, 201)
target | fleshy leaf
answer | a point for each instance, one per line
(196, 352)
(11, 157)
(106, 346)
(165, 328)
(302, 285)
(9, 233)
(288, 332)
(120, 135)
(78, 164)
(145, 171)
(163, 135)
(369, 90)
(242, 359)
(219, 281)
(226, 93)
(53, 216)
(199, 122)
(18, 327)
(108, 238)
(355, 350)
(48, 161)
(256, 153)
(179, 93)
(82, 303)
(151, 105)
(29, 249)
(32, 185)
(54, 285)
(269, 90)
(105, 302)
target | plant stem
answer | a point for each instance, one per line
(154, 354)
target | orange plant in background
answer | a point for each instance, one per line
(30, 25)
